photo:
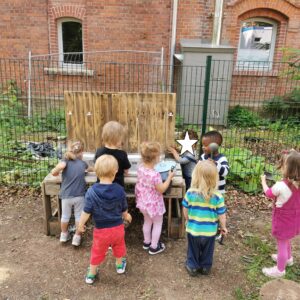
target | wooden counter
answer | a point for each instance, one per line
(174, 194)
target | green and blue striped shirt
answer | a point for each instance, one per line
(203, 215)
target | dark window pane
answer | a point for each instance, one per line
(72, 42)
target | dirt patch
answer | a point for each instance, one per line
(35, 266)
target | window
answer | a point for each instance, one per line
(257, 44)
(70, 41)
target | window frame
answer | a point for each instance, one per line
(60, 21)
(272, 46)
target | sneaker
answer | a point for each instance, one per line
(146, 246)
(64, 237)
(90, 278)
(121, 267)
(160, 248)
(76, 240)
(204, 271)
(289, 262)
(273, 272)
(192, 272)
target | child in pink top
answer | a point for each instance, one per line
(286, 212)
(149, 199)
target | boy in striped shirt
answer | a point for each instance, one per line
(219, 159)
(203, 208)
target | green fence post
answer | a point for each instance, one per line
(205, 97)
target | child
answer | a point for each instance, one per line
(187, 160)
(219, 159)
(203, 206)
(149, 199)
(286, 212)
(72, 189)
(112, 137)
(106, 202)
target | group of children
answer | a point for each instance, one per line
(203, 204)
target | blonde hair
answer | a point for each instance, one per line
(205, 179)
(75, 148)
(291, 167)
(113, 133)
(150, 151)
(106, 166)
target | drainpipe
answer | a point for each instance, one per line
(217, 27)
(173, 43)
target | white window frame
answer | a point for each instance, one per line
(60, 44)
(272, 46)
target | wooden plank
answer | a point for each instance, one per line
(96, 96)
(160, 119)
(123, 117)
(88, 120)
(52, 189)
(170, 120)
(69, 111)
(47, 209)
(132, 119)
(144, 119)
(79, 117)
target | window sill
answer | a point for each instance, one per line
(258, 73)
(69, 71)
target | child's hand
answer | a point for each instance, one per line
(263, 178)
(172, 150)
(224, 231)
(172, 173)
(128, 218)
(81, 228)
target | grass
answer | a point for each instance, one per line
(259, 256)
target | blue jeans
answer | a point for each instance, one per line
(200, 251)
(188, 181)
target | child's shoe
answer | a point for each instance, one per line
(121, 267)
(160, 248)
(289, 262)
(76, 240)
(90, 278)
(192, 272)
(64, 237)
(204, 271)
(273, 272)
(146, 246)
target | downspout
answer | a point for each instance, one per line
(217, 27)
(173, 43)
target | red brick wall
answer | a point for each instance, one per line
(195, 20)
(23, 26)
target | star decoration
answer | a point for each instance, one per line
(187, 144)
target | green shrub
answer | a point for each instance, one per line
(281, 107)
(243, 117)
(246, 169)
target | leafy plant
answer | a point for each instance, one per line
(284, 107)
(243, 117)
(246, 169)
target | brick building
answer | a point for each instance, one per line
(257, 29)
(138, 24)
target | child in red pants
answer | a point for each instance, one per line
(106, 202)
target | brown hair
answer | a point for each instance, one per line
(192, 134)
(106, 166)
(205, 179)
(75, 148)
(291, 168)
(282, 158)
(113, 133)
(149, 151)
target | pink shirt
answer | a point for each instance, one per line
(147, 197)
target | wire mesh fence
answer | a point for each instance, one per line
(257, 110)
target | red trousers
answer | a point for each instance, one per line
(103, 239)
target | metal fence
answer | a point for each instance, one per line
(257, 110)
